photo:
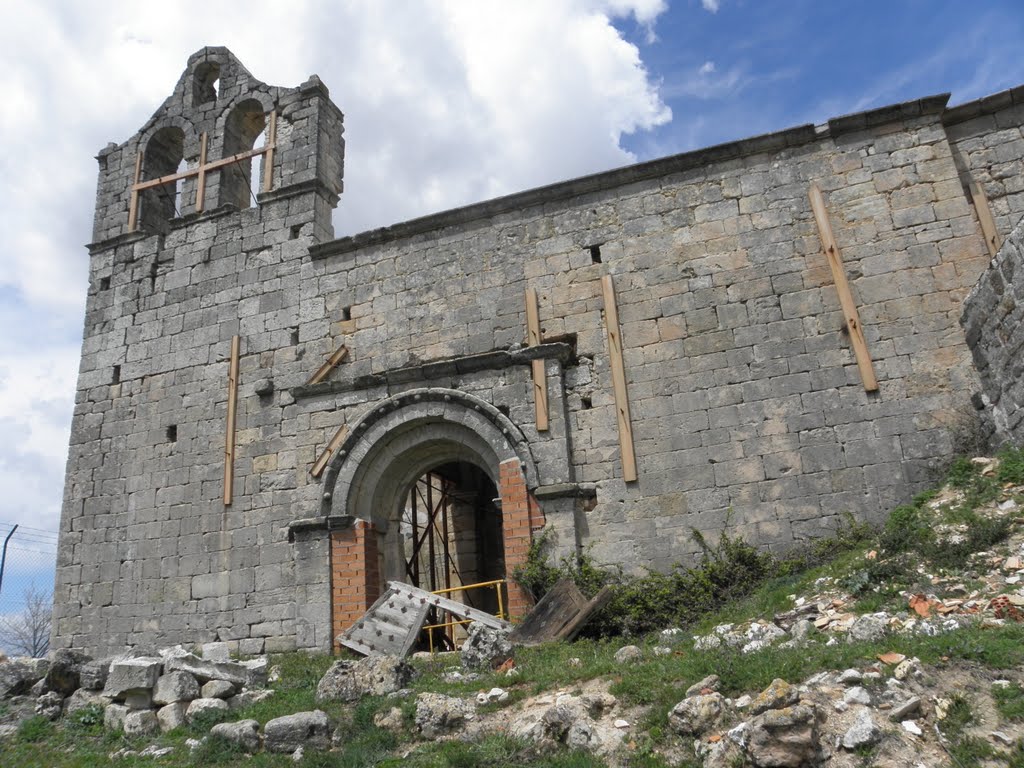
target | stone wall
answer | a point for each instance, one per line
(748, 411)
(993, 319)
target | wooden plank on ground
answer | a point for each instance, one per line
(229, 437)
(988, 224)
(611, 320)
(332, 446)
(333, 361)
(556, 609)
(850, 314)
(570, 630)
(540, 378)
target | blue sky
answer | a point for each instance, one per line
(447, 102)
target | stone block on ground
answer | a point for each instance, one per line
(131, 674)
(244, 733)
(485, 647)
(138, 699)
(175, 686)
(696, 714)
(141, 723)
(372, 676)
(197, 707)
(303, 729)
(215, 652)
(17, 676)
(172, 716)
(784, 738)
(204, 671)
(437, 714)
(63, 676)
(83, 698)
(93, 675)
(248, 698)
(113, 717)
(217, 689)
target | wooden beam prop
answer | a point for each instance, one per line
(540, 378)
(988, 224)
(332, 362)
(201, 181)
(850, 314)
(229, 437)
(611, 321)
(268, 159)
(332, 446)
(133, 205)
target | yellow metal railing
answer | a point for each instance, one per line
(496, 583)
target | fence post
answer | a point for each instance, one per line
(3, 557)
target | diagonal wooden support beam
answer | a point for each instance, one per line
(850, 314)
(988, 224)
(332, 446)
(333, 362)
(611, 321)
(540, 378)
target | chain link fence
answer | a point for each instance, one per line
(28, 560)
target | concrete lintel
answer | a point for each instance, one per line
(565, 491)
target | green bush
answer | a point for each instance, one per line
(1011, 466)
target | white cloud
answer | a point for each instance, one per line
(706, 68)
(446, 103)
(711, 6)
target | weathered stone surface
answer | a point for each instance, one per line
(204, 671)
(217, 689)
(784, 738)
(175, 686)
(868, 627)
(18, 675)
(485, 647)
(248, 698)
(863, 732)
(49, 705)
(83, 698)
(777, 695)
(64, 673)
(172, 716)
(244, 733)
(93, 674)
(437, 714)
(113, 717)
(708, 685)
(197, 707)
(309, 730)
(138, 699)
(373, 676)
(696, 714)
(131, 674)
(141, 723)
(215, 652)
(627, 654)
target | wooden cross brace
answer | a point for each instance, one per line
(138, 185)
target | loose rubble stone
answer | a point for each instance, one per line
(18, 675)
(708, 685)
(491, 696)
(870, 627)
(217, 689)
(244, 733)
(904, 710)
(784, 738)
(83, 698)
(372, 676)
(437, 714)
(248, 698)
(857, 695)
(113, 717)
(131, 674)
(485, 647)
(197, 706)
(911, 727)
(777, 695)
(172, 716)
(627, 654)
(303, 729)
(215, 652)
(695, 715)
(93, 675)
(64, 673)
(175, 686)
(141, 723)
(863, 732)
(49, 705)
(204, 671)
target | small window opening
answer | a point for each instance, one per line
(104, 283)
(172, 433)
(116, 377)
(206, 84)
(294, 235)
(587, 402)
(179, 186)
(595, 254)
(504, 409)
(164, 156)
(346, 313)
(152, 276)
(295, 336)
(256, 167)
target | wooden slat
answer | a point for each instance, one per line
(988, 224)
(201, 181)
(457, 609)
(557, 608)
(332, 362)
(540, 378)
(850, 314)
(133, 205)
(611, 320)
(570, 630)
(268, 160)
(332, 446)
(229, 437)
(212, 166)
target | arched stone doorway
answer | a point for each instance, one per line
(462, 443)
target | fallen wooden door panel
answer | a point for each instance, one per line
(559, 606)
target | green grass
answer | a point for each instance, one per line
(491, 752)
(1009, 701)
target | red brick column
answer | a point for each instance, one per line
(521, 516)
(355, 575)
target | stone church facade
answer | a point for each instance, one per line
(611, 362)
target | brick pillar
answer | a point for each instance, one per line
(521, 516)
(355, 574)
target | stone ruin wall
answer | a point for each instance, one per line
(747, 407)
